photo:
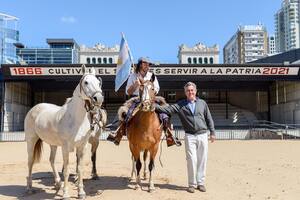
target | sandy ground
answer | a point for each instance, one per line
(257, 169)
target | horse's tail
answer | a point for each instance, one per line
(37, 150)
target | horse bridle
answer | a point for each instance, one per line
(89, 105)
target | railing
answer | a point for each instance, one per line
(232, 132)
(274, 125)
(12, 136)
(285, 131)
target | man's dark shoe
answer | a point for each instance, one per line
(191, 189)
(171, 140)
(116, 142)
(201, 188)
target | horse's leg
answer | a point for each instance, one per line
(30, 151)
(55, 172)
(151, 184)
(136, 154)
(133, 171)
(65, 152)
(95, 144)
(80, 153)
(153, 152)
(138, 166)
(145, 166)
(76, 175)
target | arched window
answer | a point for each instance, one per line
(94, 60)
(200, 60)
(99, 60)
(189, 60)
(110, 60)
(105, 60)
(88, 60)
(194, 60)
(205, 60)
(211, 60)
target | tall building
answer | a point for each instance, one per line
(287, 26)
(99, 54)
(247, 44)
(60, 51)
(8, 36)
(272, 46)
(198, 54)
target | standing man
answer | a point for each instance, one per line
(197, 122)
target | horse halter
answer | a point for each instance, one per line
(147, 95)
(91, 102)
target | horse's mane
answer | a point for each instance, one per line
(68, 100)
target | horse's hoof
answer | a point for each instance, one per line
(137, 187)
(151, 190)
(29, 191)
(81, 196)
(57, 186)
(66, 197)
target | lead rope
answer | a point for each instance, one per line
(160, 153)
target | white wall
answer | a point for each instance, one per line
(16, 105)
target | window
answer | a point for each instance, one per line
(211, 60)
(105, 60)
(99, 61)
(200, 60)
(189, 60)
(194, 60)
(94, 60)
(205, 60)
(110, 60)
(88, 60)
(171, 96)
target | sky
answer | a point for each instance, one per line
(153, 28)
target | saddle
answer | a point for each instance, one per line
(123, 110)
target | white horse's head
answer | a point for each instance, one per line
(91, 87)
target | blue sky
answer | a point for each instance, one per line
(153, 28)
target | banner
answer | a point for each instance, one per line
(169, 71)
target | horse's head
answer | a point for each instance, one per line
(147, 94)
(91, 87)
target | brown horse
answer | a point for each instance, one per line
(144, 130)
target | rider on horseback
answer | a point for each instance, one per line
(132, 89)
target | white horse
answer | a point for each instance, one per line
(94, 141)
(99, 124)
(68, 126)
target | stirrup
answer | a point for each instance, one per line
(175, 140)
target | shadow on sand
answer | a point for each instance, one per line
(92, 187)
